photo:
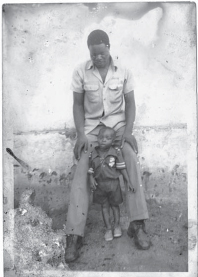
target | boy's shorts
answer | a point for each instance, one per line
(108, 191)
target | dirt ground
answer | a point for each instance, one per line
(168, 231)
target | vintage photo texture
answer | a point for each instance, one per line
(42, 43)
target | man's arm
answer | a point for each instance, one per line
(79, 120)
(130, 112)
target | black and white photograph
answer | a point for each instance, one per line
(99, 139)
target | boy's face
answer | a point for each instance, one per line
(105, 139)
(100, 55)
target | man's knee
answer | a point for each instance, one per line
(127, 150)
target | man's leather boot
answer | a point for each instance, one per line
(137, 231)
(74, 242)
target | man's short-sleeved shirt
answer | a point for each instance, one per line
(103, 102)
(107, 167)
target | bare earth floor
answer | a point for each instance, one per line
(168, 231)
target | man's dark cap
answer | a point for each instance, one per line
(97, 37)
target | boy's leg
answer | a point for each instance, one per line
(106, 218)
(106, 214)
(116, 214)
(115, 198)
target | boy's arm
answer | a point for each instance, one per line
(91, 180)
(120, 165)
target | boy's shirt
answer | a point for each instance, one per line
(107, 167)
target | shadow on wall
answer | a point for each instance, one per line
(122, 10)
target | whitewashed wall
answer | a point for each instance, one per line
(43, 42)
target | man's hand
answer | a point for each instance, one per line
(128, 137)
(92, 182)
(81, 143)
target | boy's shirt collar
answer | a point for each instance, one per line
(95, 153)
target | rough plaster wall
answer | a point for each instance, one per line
(41, 45)
(51, 153)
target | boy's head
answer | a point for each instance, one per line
(106, 137)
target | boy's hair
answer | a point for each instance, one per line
(103, 129)
(97, 37)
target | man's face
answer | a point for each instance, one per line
(100, 55)
(105, 139)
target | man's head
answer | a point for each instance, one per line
(106, 137)
(97, 37)
(98, 44)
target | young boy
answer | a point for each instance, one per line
(105, 165)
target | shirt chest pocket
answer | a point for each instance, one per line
(115, 91)
(92, 92)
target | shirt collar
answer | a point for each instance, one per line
(96, 154)
(113, 63)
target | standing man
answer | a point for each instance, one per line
(103, 93)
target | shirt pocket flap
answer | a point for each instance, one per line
(91, 87)
(113, 86)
